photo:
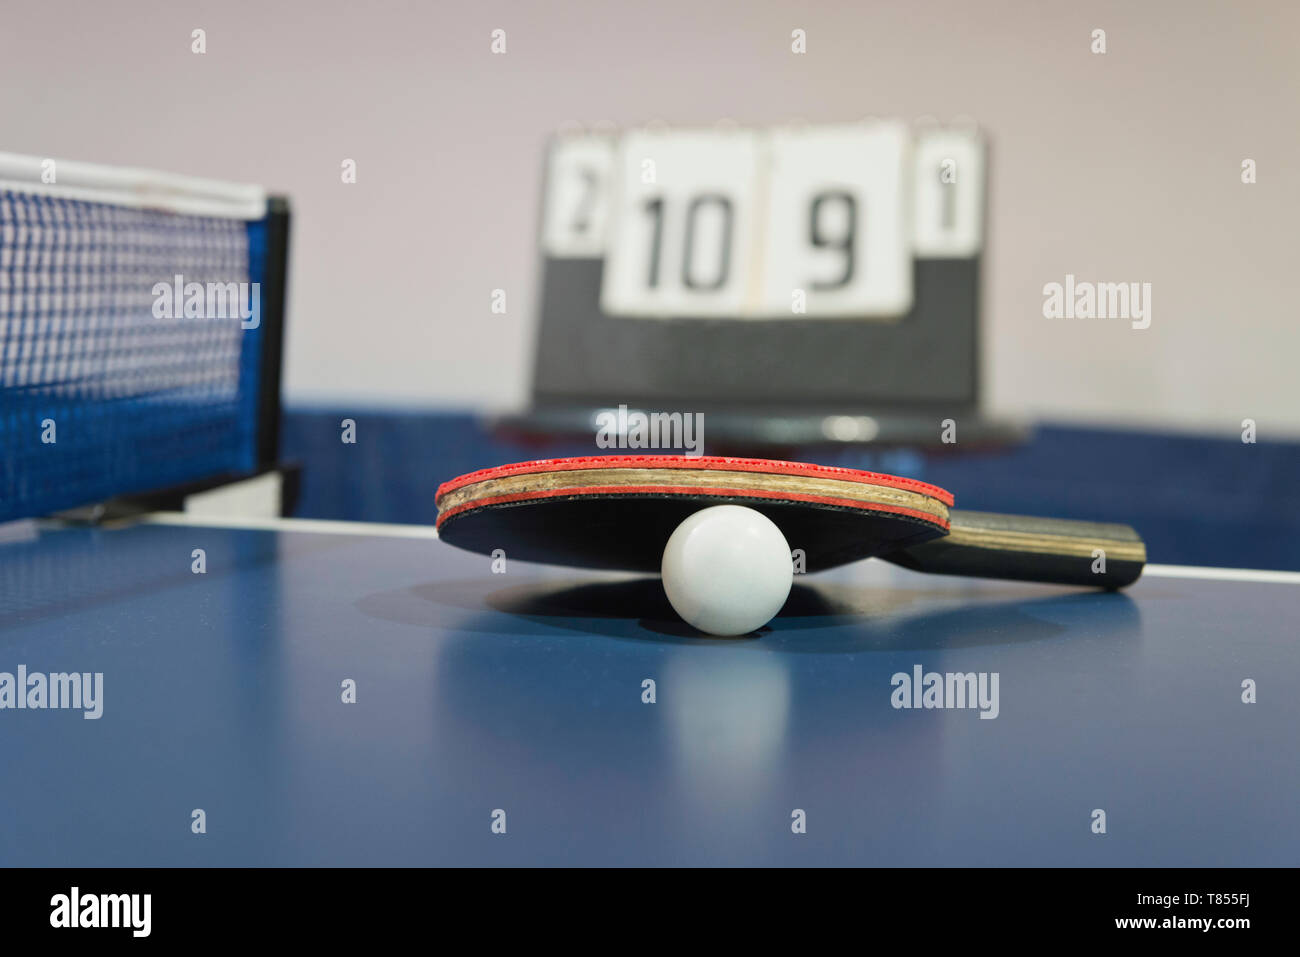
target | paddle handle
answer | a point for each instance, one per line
(1024, 548)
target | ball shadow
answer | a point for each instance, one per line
(817, 619)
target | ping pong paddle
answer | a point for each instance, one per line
(617, 512)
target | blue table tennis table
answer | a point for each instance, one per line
(505, 719)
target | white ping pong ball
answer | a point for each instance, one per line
(727, 570)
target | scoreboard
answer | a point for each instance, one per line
(826, 264)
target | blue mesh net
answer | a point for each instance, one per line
(101, 393)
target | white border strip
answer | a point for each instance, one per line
(136, 188)
(317, 525)
(381, 530)
(1223, 574)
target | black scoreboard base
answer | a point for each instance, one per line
(767, 433)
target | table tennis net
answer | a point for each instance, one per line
(108, 388)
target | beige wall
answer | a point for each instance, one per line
(1122, 167)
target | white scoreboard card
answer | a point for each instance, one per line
(579, 176)
(683, 224)
(837, 240)
(948, 219)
